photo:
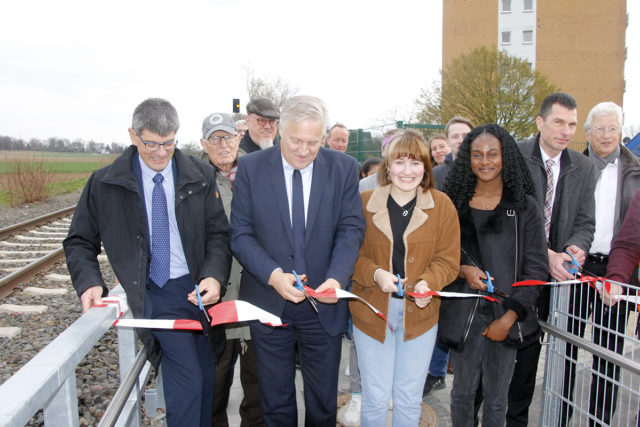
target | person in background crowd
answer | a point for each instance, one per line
(564, 181)
(310, 221)
(370, 166)
(241, 126)
(411, 243)
(371, 182)
(220, 142)
(160, 246)
(338, 137)
(439, 149)
(455, 131)
(501, 226)
(262, 125)
(618, 182)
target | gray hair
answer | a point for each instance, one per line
(603, 109)
(241, 122)
(156, 115)
(300, 108)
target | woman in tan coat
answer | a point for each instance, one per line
(413, 232)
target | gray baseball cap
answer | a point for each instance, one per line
(263, 107)
(218, 121)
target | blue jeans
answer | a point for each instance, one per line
(395, 368)
(439, 361)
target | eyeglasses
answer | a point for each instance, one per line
(602, 129)
(215, 140)
(262, 122)
(154, 146)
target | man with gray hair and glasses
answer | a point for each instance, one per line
(158, 215)
(296, 207)
(618, 182)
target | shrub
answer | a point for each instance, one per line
(26, 180)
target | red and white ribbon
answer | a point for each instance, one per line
(341, 293)
(450, 295)
(225, 312)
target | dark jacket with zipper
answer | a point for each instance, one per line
(528, 256)
(112, 210)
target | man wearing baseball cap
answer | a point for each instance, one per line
(262, 120)
(220, 144)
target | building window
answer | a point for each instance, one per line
(528, 5)
(527, 37)
(506, 5)
(506, 37)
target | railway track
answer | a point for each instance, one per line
(38, 302)
(31, 246)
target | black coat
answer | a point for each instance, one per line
(111, 210)
(530, 262)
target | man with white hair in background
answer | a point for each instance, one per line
(262, 123)
(618, 182)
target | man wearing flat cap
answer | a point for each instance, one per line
(262, 119)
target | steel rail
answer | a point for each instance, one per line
(10, 281)
(43, 219)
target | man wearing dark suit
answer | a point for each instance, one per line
(296, 206)
(158, 214)
(565, 182)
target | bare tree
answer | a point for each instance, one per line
(275, 89)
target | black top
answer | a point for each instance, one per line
(497, 252)
(399, 224)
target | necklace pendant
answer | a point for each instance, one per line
(405, 213)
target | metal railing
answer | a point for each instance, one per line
(48, 381)
(592, 360)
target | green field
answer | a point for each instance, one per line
(68, 171)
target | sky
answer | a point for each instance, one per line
(78, 68)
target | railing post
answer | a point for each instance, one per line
(62, 408)
(127, 355)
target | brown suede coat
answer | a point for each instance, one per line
(432, 241)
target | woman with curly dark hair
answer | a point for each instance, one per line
(502, 234)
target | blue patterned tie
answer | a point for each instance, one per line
(297, 223)
(160, 242)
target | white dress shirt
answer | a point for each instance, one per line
(178, 265)
(605, 195)
(307, 176)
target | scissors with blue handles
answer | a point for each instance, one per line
(200, 305)
(572, 267)
(299, 286)
(492, 289)
(401, 292)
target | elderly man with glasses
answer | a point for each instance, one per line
(158, 215)
(618, 182)
(220, 139)
(262, 121)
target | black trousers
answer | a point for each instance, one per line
(585, 302)
(250, 412)
(523, 384)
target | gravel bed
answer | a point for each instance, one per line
(97, 374)
(14, 215)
